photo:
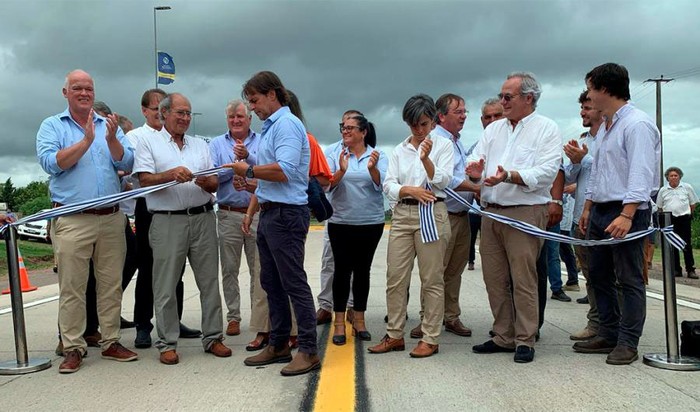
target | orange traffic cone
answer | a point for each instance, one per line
(23, 277)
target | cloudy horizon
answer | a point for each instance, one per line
(337, 55)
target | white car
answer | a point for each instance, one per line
(35, 230)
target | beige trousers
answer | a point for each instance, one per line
(509, 260)
(456, 258)
(76, 240)
(404, 245)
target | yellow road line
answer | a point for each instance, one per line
(336, 384)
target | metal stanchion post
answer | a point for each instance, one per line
(23, 364)
(672, 358)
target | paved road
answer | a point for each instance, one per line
(454, 380)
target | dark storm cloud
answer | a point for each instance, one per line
(369, 55)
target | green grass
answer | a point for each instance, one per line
(657, 256)
(36, 255)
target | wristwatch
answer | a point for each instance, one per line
(508, 177)
(557, 201)
(249, 173)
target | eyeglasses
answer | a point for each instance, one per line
(182, 113)
(460, 112)
(508, 97)
(155, 109)
(348, 128)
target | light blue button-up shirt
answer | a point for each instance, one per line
(356, 199)
(626, 161)
(458, 172)
(221, 149)
(283, 141)
(95, 174)
(579, 174)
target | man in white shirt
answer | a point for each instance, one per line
(184, 226)
(516, 160)
(680, 199)
(143, 291)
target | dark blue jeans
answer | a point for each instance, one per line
(553, 264)
(622, 263)
(566, 253)
(281, 238)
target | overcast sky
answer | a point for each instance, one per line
(337, 55)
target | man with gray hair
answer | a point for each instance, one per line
(516, 161)
(233, 197)
(183, 226)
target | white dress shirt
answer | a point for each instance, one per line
(677, 200)
(533, 149)
(406, 169)
(160, 153)
(458, 175)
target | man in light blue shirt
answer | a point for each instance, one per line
(82, 152)
(580, 153)
(233, 198)
(282, 172)
(624, 176)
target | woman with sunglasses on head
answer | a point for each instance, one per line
(357, 223)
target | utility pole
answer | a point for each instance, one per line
(658, 119)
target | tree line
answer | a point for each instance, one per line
(26, 200)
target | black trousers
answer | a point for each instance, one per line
(681, 226)
(353, 251)
(475, 226)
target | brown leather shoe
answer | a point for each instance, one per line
(301, 364)
(293, 342)
(119, 353)
(417, 332)
(72, 362)
(622, 355)
(93, 339)
(323, 316)
(388, 344)
(260, 341)
(219, 350)
(269, 356)
(423, 350)
(169, 357)
(456, 327)
(233, 328)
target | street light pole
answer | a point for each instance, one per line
(194, 123)
(155, 37)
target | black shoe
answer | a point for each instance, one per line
(188, 333)
(595, 345)
(524, 354)
(143, 339)
(622, 355)
(561, 296)
(126, 324)
(584, 300)
(692, 275)
(492, 333)
(339, 339)
(490, 347)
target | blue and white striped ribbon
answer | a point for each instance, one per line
(102, 201)
(428, 227)
(667, 231)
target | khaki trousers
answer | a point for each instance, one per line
(77, 239)
(582, 255)
(509, 260)
(456, 258)
(232, 241)
(404, 245)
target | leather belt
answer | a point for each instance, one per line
(189, 211)
(243, 210)
(270, 205)
(99, 212)
(414, 202)
(460, 214)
